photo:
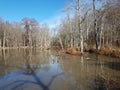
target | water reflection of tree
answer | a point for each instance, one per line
(2, 62)
(30, 70)
(3, 56)
(105, 79)
(76, 68)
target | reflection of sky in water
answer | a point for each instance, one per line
(50, 72)
(46, 73)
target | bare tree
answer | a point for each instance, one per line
(79, 26)
(28, 25)
(95, 26)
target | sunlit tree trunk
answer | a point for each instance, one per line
(4, 36)
(61, 43)
(101, 35)
(79, 26)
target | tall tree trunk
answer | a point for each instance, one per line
(101, 34)
(0, 43)
(79, 26)
(95, 26)
(71, 41)
(81, 43)
(4, 36)
(61, 43)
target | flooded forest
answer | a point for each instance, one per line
(81, 51)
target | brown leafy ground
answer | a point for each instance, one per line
(107, 51)
(73, 51)
(114, 52)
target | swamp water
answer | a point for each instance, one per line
(35, 69)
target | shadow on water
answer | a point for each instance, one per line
(93, 73)
(30, 71)
(113, 65)
(104, 80)
(106, 83)
(110, 64)
(37, 81)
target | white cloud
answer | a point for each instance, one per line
(54, 20)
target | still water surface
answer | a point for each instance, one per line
(35, 69)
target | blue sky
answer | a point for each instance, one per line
(50, 11)
(41, 10)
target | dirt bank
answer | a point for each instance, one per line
(113, 52)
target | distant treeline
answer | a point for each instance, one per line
(25, 33)
(86, 25)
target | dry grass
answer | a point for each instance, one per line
(73, 51)
(114, 52)
(107, 51)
